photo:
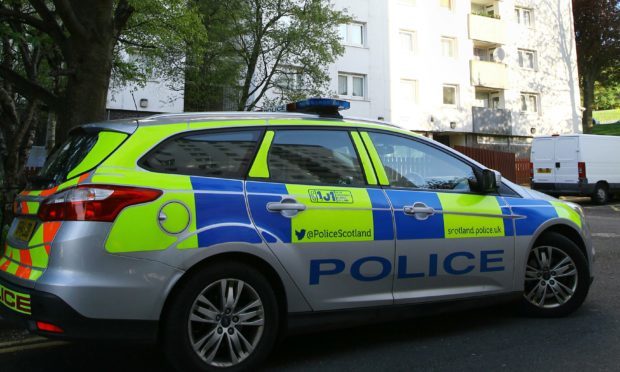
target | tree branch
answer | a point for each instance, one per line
(69, 19)
(121, 15)
(27, 88)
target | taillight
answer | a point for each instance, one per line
(93, 202)
(581, 169)
(531, 171)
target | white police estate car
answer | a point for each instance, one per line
(218, 232)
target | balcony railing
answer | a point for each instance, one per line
(487, 29)
(489, 74)
(492, 121)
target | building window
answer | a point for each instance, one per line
(408, 92)
(524, 16)
(407, 41)
(527, 59)
(485, 54)
(448, 47)
(529, 102)
(446, 4)
(353, 34)
(450, 95)
(408, 2)
(350, 85)
(289, 78)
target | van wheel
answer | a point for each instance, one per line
(225, 318)
(557, 278)
(601, 194)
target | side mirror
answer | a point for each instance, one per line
(489, 181)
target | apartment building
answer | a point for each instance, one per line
(477, 73)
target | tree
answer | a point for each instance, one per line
(88, 39)
(607, 93)
(278, 46)
(597, 34)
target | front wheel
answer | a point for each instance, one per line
(225, 318)
(557, 278)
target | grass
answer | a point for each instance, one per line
(607, 116)
(607, 129)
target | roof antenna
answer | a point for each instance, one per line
(134, 104)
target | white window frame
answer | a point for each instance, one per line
(450, 6)
(456, 95)
(414, 42)
(528, 96)
(414, 85)
(519, 16)
(454, 48)
(346, 31)
(293, 77)
(350, 77)
(522, 53)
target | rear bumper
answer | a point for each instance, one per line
(568, 189)
(49, 308)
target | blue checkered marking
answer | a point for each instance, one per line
(536, 213)
(407, 227)
(273, 224)
(214, 207)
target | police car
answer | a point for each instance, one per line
(216, 233)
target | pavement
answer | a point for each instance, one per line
(493, 338)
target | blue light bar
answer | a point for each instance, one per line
(321, 106)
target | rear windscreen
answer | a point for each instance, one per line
(66, 157)
(78, 155)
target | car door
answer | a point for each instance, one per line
(451, 241)
(314, 203)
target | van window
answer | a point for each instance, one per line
(220, 154)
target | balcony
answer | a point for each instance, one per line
(489, 74)
(487, 29)
(492, 121)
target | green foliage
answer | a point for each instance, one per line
(607, 116)
(158, 40)
(607, 129)
(278, 46)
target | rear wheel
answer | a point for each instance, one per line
(601, 194)
(224, 318)
(557, 278)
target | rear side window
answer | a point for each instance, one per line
(221, 154)
(314, 157)
(66, 157)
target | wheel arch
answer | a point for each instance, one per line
(566, 230)
(261, 265)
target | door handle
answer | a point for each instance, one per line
(419, 210)
(288, 207)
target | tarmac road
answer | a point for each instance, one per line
(488, 339)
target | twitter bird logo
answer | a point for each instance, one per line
(300, 234)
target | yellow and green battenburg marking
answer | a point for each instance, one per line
(376, 160)
(333, 214)
(463, 226)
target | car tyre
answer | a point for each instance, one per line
(224, 318)
(601, 194)
(557, 278)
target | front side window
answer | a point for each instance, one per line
(412, 164)
(220, 154)
(314, 157)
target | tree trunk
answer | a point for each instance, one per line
(86, 92)
(588, 102)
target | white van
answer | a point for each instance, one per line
(576, 164)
